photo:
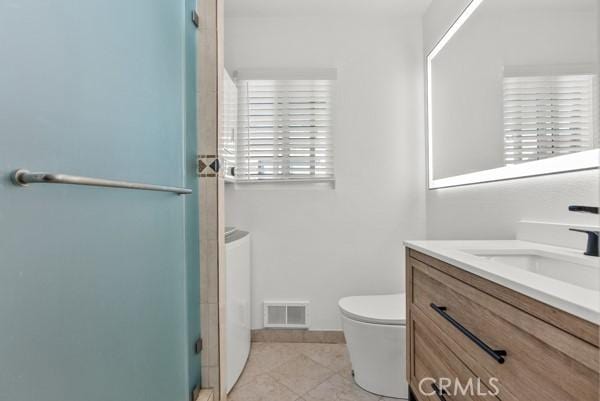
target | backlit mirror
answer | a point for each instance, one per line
(513, 92)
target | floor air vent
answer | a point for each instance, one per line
(286, 315)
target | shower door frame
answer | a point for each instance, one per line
(210, 69)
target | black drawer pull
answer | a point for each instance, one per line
(496, 354)
(438, 392)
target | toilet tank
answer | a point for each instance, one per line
(237, 304)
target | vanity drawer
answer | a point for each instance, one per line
(436, 365)
(542, 362)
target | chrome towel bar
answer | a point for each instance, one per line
(23, 178)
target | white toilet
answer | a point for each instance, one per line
(375, 330)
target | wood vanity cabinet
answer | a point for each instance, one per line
(465, 329)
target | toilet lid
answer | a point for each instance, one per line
(379, 309)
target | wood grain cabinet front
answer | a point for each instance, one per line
(437, 373)
(524, 356)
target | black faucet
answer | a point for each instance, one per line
(592, 243)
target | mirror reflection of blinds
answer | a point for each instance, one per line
(284, 130)
(548, 116)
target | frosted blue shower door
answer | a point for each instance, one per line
(98, 286)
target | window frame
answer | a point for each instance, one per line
(289, 78)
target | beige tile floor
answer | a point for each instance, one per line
(299, 372)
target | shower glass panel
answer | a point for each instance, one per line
(98, 286)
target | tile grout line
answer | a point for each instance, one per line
(284, 385)
(330, 362)
(312, 388)
(302, 353)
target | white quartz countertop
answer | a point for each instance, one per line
(576, 300)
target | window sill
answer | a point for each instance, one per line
(326, 184)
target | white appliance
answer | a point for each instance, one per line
(375, 330)
(237, 304)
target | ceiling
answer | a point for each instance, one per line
(278, 8)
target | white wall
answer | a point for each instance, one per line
(492, 210)
(321, 244)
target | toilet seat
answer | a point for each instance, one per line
(375, 309)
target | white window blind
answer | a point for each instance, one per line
(230, 125)
(284, 130)
(548, 116)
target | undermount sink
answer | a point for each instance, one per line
(581, 272)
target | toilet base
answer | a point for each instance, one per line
(378, 356)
